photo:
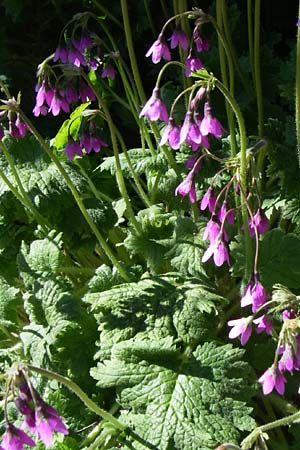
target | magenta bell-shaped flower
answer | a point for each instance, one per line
(171, 134)
(254, 294)
(187, 187)
(47, 421)
(241, 327)
(272, 378)
(155, 108)
(15, 439)
(209, 124)
(193, 64)
(179, 37)
(159, 50)
(73, 148)
(218, 250)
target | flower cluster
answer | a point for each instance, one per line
(89, 141)
(52, 100)
(160, 50)
(17, 128)
(39, 418)
(77, 54)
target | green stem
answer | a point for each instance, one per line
(149, 17)
(25, 199)
(135, 177)
(107, 13)
(297, 91)
(257, 74)
(61, 169)
(243, 170)
(250, 37)
(251, 438)
(133, 62)
(81, 394)
(223, 46)
(119, 174)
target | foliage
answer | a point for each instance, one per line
(113, 276)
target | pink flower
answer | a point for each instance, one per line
(254, 293)
(47, 421)
(202, 44)
(212, 229)
(171, 134)
(61, 53)
(272, 378)
(219, 251)
(223, 213)
(241, 327)
(15, 439)
(193, 64)
(155, 108)
(187, 187)
(263, 323)
(179, 37)
(210, 124)
(259, 221)
(73, 148)
(190, 131)
(287, 360)
(108, 71)
(208, 200)
(158, 50)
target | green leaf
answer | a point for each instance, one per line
(70, 127)
(279, 259)
(187, 250)
(155, 308)
(190, 402)
(154, 240)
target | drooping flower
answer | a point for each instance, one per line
(287, 360)
(92, 142)
(209, 124)
(15, 439)
(212, 229)
(61, 53)
(29, 414)
(193, 64)
(187, 187)
(1, 133)
(218, 250)
(171, 134)
(200, 94)
(179, 37)
(259, 221)
(241, 327)
(272, 378)
(155, 108)
(16, 127)
(190, 131)
(226, 213)
(208, 200)
(76, 57)
(73, 148)
(58, 102)
(202, 43)
(108, 72)
(254, 294)
(159, 50)
(48, 421)
(264, 323)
